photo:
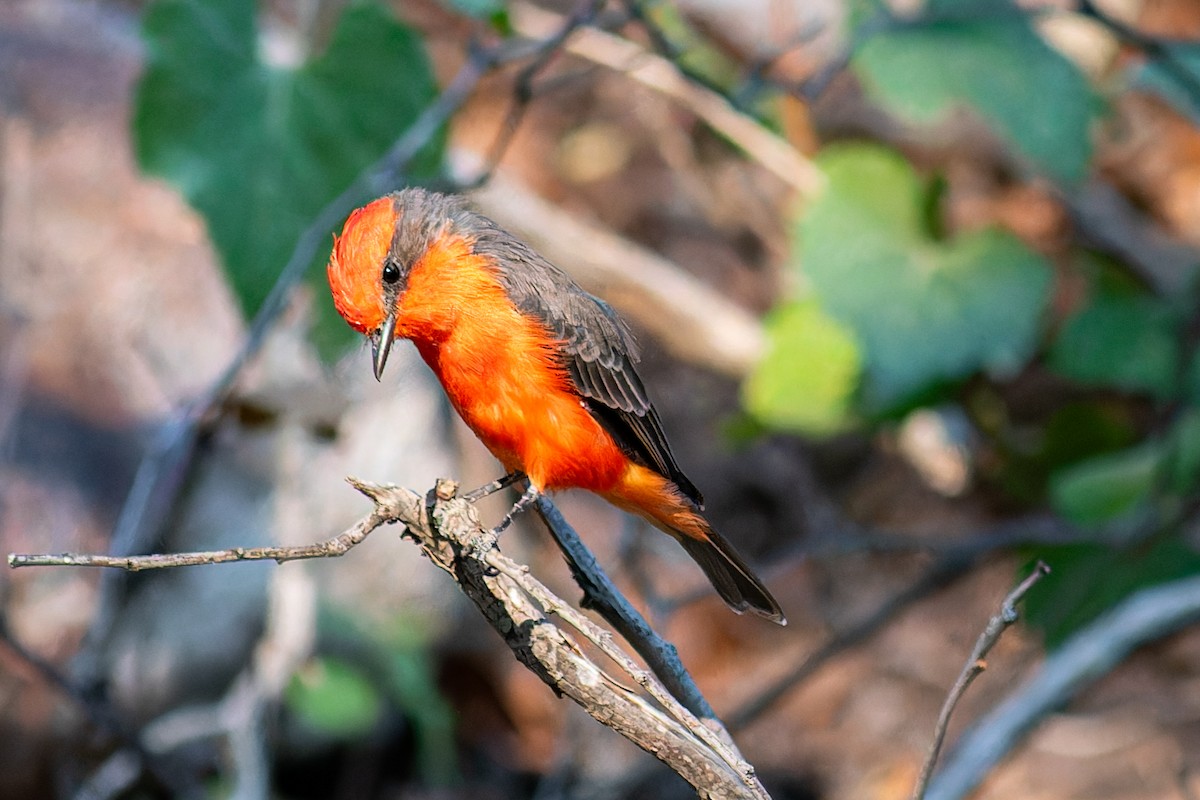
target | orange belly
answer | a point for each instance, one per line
(521, 406)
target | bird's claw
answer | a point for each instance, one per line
(480, 545)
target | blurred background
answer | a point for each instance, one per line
(916, 289)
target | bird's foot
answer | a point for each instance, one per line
(485, 541)
(479, 546)
(494, 486)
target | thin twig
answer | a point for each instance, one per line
(523, 89)
(330, 548)
(1088, 655)
(975, 665)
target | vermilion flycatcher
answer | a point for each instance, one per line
(539, 369)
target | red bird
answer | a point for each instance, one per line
(539, 369)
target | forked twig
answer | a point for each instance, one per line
(975, 665)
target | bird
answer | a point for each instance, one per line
(542, 372)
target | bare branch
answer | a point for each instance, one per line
(975, 665)
(1088, 655)
(518, 608)
(337, 546)
(721, 746)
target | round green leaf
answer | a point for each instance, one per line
(923, 311)
(809, 375)
(335, 699)
(258, 148)
(1126, 341)
(985, 56)
(1108, 486)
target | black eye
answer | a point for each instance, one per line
(391, 273)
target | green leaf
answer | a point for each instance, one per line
(1075, 431)
(480, 9)
(1183, 459)
(1088, 579)
(1191, 379)
(985, 56)
(335, 699)
(258, 149)
(393, 655)
(922, 311)
(1126, 341)
(809, 375)
(1108, 486)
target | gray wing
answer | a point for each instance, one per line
(598, 350)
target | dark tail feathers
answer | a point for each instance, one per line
(730, 576)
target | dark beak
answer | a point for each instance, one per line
(381, 343)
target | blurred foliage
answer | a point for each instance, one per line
(1127, 341)
(810, 373)
(1088, 579)
(333, 697)
(1174, 76)
(892, 312)
(483, 9)
(361, 675)
(925, 311)
(694, 52)
(258, 148)
(984, 55)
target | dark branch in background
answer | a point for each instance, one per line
(975, 666)
(945, 572)
(448, 530)
(1091, 653)
(523, 89)
(600, 595)
(104, 719)
(1162, 50)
